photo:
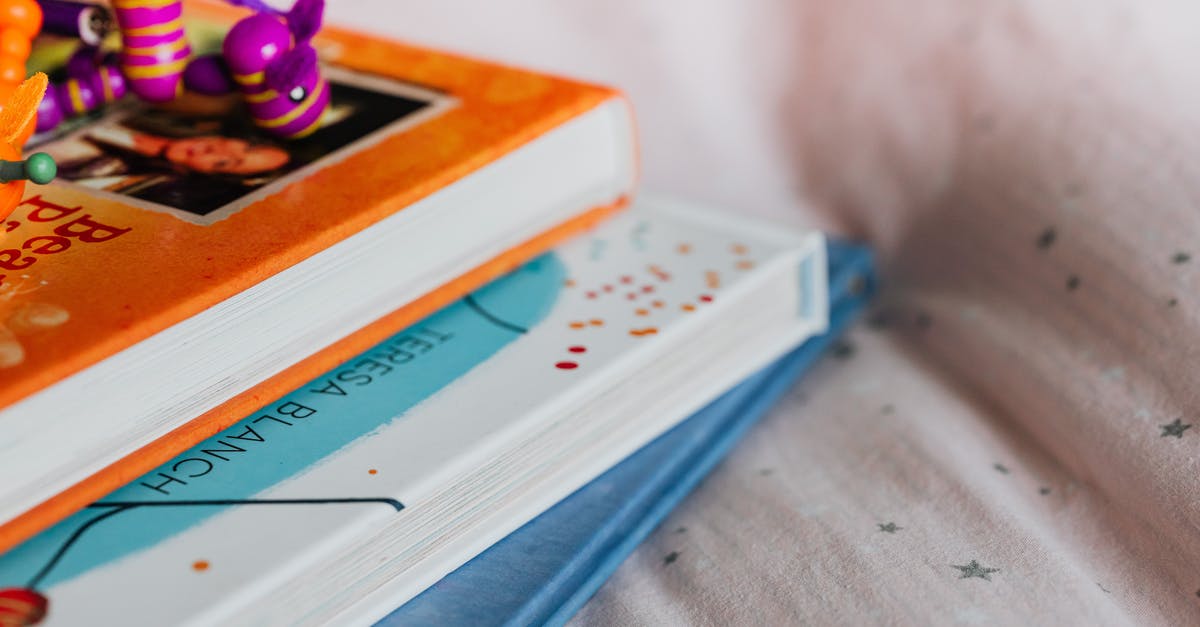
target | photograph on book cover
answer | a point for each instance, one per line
(201, 158)
(204, 160)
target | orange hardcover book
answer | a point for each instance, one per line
(187, 268)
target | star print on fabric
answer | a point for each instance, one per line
(975, 570)
(1047, 238)
(880, 320)
(890, 527)
(1174, 429)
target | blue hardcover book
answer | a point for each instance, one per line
(357, 491)
(546, 570)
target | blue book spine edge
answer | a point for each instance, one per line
(849, 290)
(654, 481)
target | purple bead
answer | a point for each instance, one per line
(77, 96)
(153, 63)
(308, 113)
(286, 94)
(253, 42)
(108, 81)
(49, 113)
(83, 61)
(85, 21)
(208, 75)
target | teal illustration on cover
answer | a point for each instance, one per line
(376, 444)
(418, 361)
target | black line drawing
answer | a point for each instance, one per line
(117, 507)
(469, 299)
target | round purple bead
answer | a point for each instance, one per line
(49, 114)
(208, 75)
(253, 42)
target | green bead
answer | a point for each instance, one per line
(40, 168)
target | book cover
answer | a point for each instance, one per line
(146, 228)
(544, 572)
(215, 534)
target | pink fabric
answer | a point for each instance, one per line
(1028, 170)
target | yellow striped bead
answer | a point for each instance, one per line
(135, 72)
(157, 29)
(300, 110)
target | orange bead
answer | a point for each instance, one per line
(11, 70)
(14, 43)
(6, 92)
(24, 15)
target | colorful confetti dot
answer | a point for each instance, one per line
(596, 322)
(592, 295)
(569, 283)
(642, 312)
(688, 307)
(372, 472)
(745, 264)
(647, 289)
(684, 249)
(739, 249)
(200, 565)
(643, 332)
(705, 298)
(658, 304)
(626, 280)
(566, 365)
(608, 289)
(577, 325)
(631, 296)
(712, 279)
(578, 349)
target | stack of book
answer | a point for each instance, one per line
(418, 366)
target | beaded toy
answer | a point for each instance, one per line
(20, 22)
(155, 49)
(89, 86)
(89, 23)
(275, 66)
(17, 120)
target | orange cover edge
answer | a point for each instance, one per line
(152, 455)
(211, 262)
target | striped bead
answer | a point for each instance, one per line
(80, 94)
(155, 50)
(250, 48)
